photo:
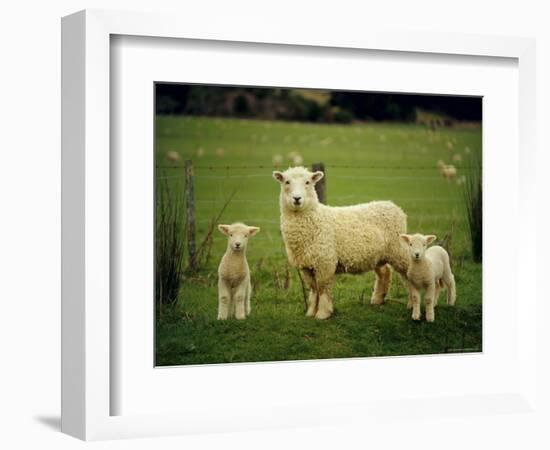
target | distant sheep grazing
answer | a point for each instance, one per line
(429, 269)
(448, 171)
(173, 156)
(321, 240)
(277, 160)
(234, 288)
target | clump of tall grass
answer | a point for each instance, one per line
(170, 235)
(473, 198)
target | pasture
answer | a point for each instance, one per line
(364, 162)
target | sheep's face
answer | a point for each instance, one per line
(238, 234)
(418, 243)
(298, 187)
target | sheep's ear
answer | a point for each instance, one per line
(430, 238)
(405, 238)
(253, 230)
(278, 176)
(224, 229)
(317, 176)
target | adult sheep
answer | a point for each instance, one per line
(322, 240)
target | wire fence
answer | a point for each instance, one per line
(332, 166)
(208, 174)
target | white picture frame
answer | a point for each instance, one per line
(87, 385)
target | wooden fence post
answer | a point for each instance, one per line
(321, 186)
(190, 213)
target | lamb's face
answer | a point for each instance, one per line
(418, 243)
(238, 234)
(298, 187)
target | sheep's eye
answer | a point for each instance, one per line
(307, 182)
(287, 182)
(410, 245)
(230, 235)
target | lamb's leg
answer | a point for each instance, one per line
(239, 298)
(247, 298)
(312, 299)
(429, 302)
(409, 299)
(224, 300)
(381, 285)
(415, 297)
(449, 281)
(437, 292)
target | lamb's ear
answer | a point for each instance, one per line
(317, 176)
(430, 238)
(405, 238)
(253, 230)
(278, 176)
(224, 229)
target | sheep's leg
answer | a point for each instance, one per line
(312, 299)
(247, 298)
(409, 292)
(325, 305)
(415, 297)
(325, 309)
(224, 300)
(399, 262)
(381, 285)
(429, 302)
(239, 298)
(312, 302)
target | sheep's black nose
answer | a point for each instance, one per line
(417, 254)
(237, 245)
(297, 199)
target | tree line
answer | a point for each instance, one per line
(310, 105)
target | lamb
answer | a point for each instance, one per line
(429, 269)
(234, 288)
(322, 241)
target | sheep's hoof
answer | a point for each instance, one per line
(415, 316)
(377, 300)
(430, 318)
(322, 315)
(310, 312)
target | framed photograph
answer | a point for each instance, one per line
(242, 172)
(272, 230)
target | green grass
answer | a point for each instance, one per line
(384, 161)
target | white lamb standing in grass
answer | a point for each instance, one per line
(234, 288)
(322, 241)
(430, 270)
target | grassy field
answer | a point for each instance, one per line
(363, 162)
